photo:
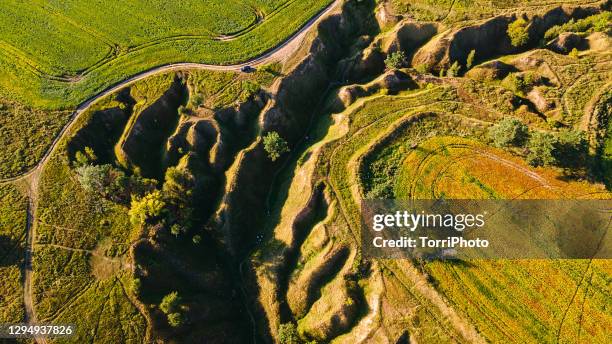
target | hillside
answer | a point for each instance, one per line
(204, 205)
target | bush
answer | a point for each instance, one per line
(470, 59)
(147, 208)
(541, 149)
(422, 68)
(275, 145)
(196, 239)
(519, 83)
(453, 70)
(510, 131)
(396, 60)
(93, 178)
(518, 33)
(573, 53)
(175, 319)
(287, 334)
(170, 303)
(597, 23)
(571, 149)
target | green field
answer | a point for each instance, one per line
(54, 55)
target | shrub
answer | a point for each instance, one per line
(571, 149)
(470, 59)
(573, 53)
(518, 33)
(598, 23)
(275, 145)
(422, 68)
(170, 303)
(147, 208)
(510, 131)
(453, 70)
(86, 157)
(541, 148)
(287, 334)
(519, 83)
(396, 60)
(196, 239)
(175, 319)
(93, 178)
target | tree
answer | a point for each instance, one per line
(510, 131)
(287, 334)
(396, 60)
(275, 145)
(571, 148)
(453, 70)
(470, 59)
(177, 229)
(93, 178)
(573, 53)
(86, 157)
(541, 147)
(170, 303)
(175, 319)
(518, 32)
(196, 239)
(147, 208)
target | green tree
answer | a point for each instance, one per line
(170, 303)
(541, 148)
(396, 60)
(177, 229)
(518, 32)
(510, 131)
(147, 208)
(470, 59)
(93, 178)
(196, 239)
(573, 53)
(275, 145)
(287, 334)
(453, 70)
(571, 148)
(86, 157)
(175, 319)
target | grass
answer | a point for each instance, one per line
(25, 134)
(13, 215)
(92, 47)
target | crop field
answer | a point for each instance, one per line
(87, 46)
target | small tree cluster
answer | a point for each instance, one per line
(147, 209)
(567, 148)
(275, 145)
(396, 60)
(170, 305)
(510, 131)
(519, 83)
(518, 32)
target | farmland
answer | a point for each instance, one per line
(196, 204)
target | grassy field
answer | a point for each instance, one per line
(13, 215)
(93, 46)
